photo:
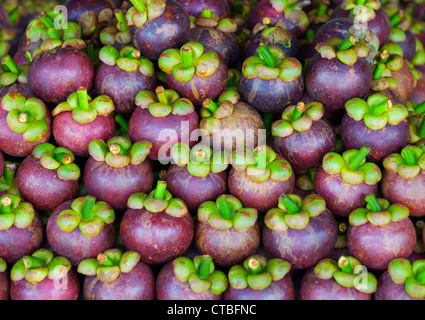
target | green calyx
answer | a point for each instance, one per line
(376, 112)
(399, 22)
(304, 181)
(120, 33)
(143, 11)
(261, 164)
(378, 212)
(26, 116)
(389, 59)
(271, 63)
(273, 34)
(128, 59)
(118, 151)
(258, 273)
(347, 272)
(189, 61)
(233, 80)
(298, 118)
(59, 159)
(416, 121)
(3, 265)
(199, 160)
(319, 14)
(200, 274)
(40, 265)
(352, 166)
(294, 212)
(109, 264)
(362, 10)
(419, 58)
(408, 163)
(13, 72)
(88, 215)
(163, 102)
(83, 108)
(293, 11)
(8, 181)
(226, 213)
(14, 212)
(412, 275)
(210, 19)
(159, 200)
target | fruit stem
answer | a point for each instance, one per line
(344, 264)
(63, 158)
(187, 56)
(83, 99)
(396, 18)
(160, 190)
(380, 67)
(289, 204)
(409, 156)
(122, 122)
(6, 205)
(32, 262)
(119, 15)
(104, 260)
(420, 108)
(206, 12)
(160, 93)
(373, 203)
(210, 105)
(421, 130)
(268, 121)
(298, 111)
(28, 56)
(322, 9)
(224, 207)
(254, 265)
(46, 20)
(9, 171)
(53, 33)
(382, 107)
(8, 62)
(420, 277)
(347, 43)
(90, 51)
(139, 5)
(355, 162)
(88, 208)
(205, 266)
(360, 2)
(266, 55)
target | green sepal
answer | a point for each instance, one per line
(183, 267)
(278, 268)
(238, 277)
(400, 270)
(128, 261)
(325, 269)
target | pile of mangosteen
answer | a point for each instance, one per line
(212, 150)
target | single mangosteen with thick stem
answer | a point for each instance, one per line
(25, 122)
(258, 178)
(81, 119)
(116, 169)
(226, 231)
(376, 123)
(380, 233)
(402, 281)
(195, 72)
(48, 177)
(4, 281)
(122, 74)
(81, 228)
(302, 136)
(270, 80)
(191, 279)
(21, 228)
(196, 174)
(260, 279)
(14, 78)
(157, 25)
(404, 179)
(346, 279)
(300, 231)
(8, 179)
(345, 180)
(159, 112)
(117, 275)
(157, 225)
(219, 7)
(42, 276)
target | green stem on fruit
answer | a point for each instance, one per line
(409, 156)
(46, 20)
(119, 15)
(420, 108)
(342, 228)
(139, 5)
(83, 98)
(347, 43)
(133, 54)
(380, 67)
(187, 56)
(88, 208)
(373, 203)
(23, 117)
(161, 187)
(344, 264)
(268, 121)
(322, 9)
(225, 210)
(90, 51)
(104, 260)
(160, 93)
(9, 172)
(254, 265)
(420, 277)
(298, 111)
(204, 267)
(32, 262)
(53, 33)
(122, 122)
(382, 107)
(28, 56)
(421, 129)
(396, 18)
(265, 54)
(289, 204)
(309, 35)
(8, 62)
(360, 2)
(63, 158)
(210, 105)
(357, 160)
(206, 12)
(5, 205)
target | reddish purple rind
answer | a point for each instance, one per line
(115, 185)
(410, 192)
(74, 245)
(64, 289)
(25, 45)
(303, 248)
(4, 286)
(158, 237)
(144, 126)
(76, 136)
(313, 288)
(1, 164)
(341, 198)
(168, 287)
(305, 150)
(18, 87)
(227, 247)
(338, 253)
(388, 290)
(194, 7)
(408, 46)
(383, 142)
(195, 190)
(77, 7)
(418, 93)
(16, 242)
(122, 86)
(138, 284)
(405, 80)
(42, 187)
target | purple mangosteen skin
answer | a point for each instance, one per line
(168, 287)
(195, 190)
(408, 46)
(18, 87)
(305, 150)
(67, 288)
(115, 185)
(313, 288)
(303, 248)
(77, 7)
(418, 93)
(16, 242)
(194, 7)
(393, 95)
(55, 74)
(388, 290)
(282, 289)
(341, 198)
(170, 30)
(122, 86)
(158, 237)
(4, 286)
(376, 246)
(409, 192)
(74, 245)
(144, 126)
(227, 247)
(76, 136)
(42, 187)
(138, 284)
(383, 142)
(1, 164)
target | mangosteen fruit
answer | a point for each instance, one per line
(14, 78)
(4, 281)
